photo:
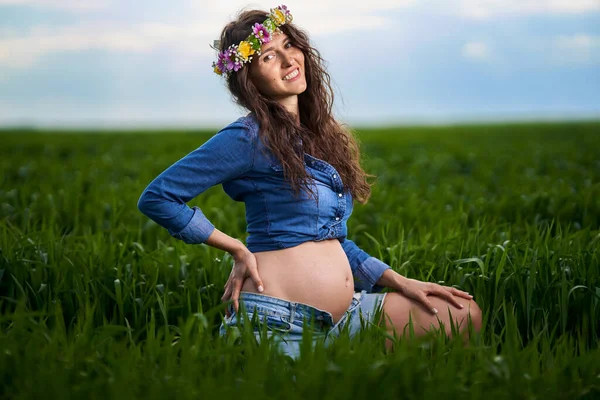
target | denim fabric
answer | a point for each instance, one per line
(286, 320)
(248, 172)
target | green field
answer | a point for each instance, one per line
(99, 302)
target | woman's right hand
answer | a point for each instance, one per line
(244, 266)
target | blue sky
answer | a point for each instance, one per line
(104, 63)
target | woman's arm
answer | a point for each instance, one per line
(373, 275)
(226, 155)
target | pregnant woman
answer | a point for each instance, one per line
(298, 172)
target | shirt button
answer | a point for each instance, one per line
(339, 194)
(334, 175)
(337, 218)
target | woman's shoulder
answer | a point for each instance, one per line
(249, 120)
(245, 121)
(245, 126)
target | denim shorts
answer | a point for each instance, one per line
(286, 320)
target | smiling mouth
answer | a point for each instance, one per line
(292, 74)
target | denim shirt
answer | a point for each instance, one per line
(248, 172)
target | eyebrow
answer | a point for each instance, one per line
(271, 48)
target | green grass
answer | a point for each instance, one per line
(97, 301)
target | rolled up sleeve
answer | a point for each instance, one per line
(197, 230)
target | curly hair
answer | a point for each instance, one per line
(320, 134)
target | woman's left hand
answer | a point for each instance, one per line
(419, 291)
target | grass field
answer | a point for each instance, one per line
(99, 302)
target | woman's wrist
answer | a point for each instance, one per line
(224, 242)
(239, 252)
(392, 280)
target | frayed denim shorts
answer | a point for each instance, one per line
(286, 320)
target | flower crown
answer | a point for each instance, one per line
(234, 58)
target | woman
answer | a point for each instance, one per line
(297, 171)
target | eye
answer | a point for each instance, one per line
(269, 56)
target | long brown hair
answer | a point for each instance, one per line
(321, 135)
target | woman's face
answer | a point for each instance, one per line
(271, 71)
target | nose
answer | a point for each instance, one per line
(288, 60)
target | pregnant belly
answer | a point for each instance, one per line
(313, 273)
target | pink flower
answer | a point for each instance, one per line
(261, 33)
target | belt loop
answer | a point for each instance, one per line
(292, 311)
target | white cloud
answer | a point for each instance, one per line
(478, 9)
(190, 40)
(576, 49)
(577, 42)
(483, 9)
(574, 6)
(67, 5)
(24, 51)
(302, 7)
(476, 50)
(197, 24)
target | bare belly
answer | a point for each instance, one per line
(313, 273)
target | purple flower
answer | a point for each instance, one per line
(230, 60)
(261, 33)
(226, 62)
(283, 8)
(221, 62)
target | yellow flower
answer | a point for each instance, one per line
(245, 50)
(278, 16)
(218, 71)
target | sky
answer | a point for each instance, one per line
(108, 63)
